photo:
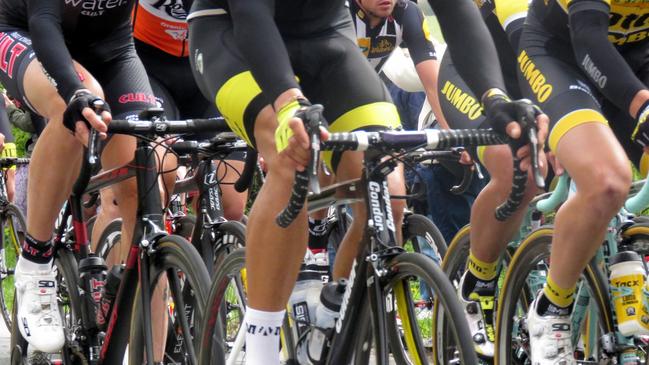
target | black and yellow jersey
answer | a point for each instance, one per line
(629, 19)
(406, 25)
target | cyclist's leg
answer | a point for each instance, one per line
(488, 236)
(588, 150)
(355, 99)
(51, 180)
(128, 92)
(273, 254)
(228, 171)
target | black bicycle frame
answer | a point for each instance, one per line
(210, 208)
(379, 244)
(149, 228)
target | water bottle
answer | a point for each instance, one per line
(627, 281)
(303, 303)
(92, 271)
(108, 293)
(327, 313)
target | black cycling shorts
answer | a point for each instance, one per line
(118, 70)
(330, 67)
(176, 91)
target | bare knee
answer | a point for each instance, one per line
(606, 188)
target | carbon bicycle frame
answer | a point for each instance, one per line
(148, 229)
(365, 282)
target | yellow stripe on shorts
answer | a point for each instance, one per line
(382, 114)
(233, 98)
(571, 120)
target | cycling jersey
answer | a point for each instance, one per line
(163, 25)
(628, 23)
(56, 26)
(96, 33)
(406, 25)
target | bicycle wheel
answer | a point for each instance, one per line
(408, 270)
(177, 261)
(13, 228)
(529, 267)
(423, 236)
(70, 307)
(222, 335)
(228, 237)
(109, 239)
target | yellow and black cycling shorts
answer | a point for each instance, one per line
(330, 68)
(549, 75)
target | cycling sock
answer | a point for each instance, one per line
(555, 300)
(481, 277)
(480, 287)
(317, 234)
(262, 336)
(35, 251)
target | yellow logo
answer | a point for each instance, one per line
(462, 101)
(534, 77)
(424, 26)
(364, 44)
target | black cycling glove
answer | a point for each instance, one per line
(500, 111)
(80, 100)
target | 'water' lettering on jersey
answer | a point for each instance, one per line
(96, 7)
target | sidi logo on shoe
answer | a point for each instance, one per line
(46, 284)
(564, 327)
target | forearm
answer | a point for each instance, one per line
(428, 72)
(600, 61)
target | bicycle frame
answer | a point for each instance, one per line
(368, 267)
(149, 228)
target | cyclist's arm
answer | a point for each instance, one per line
(260, 42)
(49, 45)
(598, 58)
(418, 39)
(469, 41)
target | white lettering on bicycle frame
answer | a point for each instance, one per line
(388, 207)
(345, 302)
(375, 205)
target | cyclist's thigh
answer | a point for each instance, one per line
(334, 72)
(222, 74)
(128, 92)
(549, 76)
(163, 76)
(25, 79)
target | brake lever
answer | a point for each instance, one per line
(534, 150)
(312, 125)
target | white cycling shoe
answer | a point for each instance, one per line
(38, 317)
(550, 338)
(479, 312)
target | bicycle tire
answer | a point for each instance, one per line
(68, 277)
(229, 236)
(417, 225)
(109, 238)
(212, 344)
(535, 248)
(404, 267)
(12, 224)
(173, 254)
